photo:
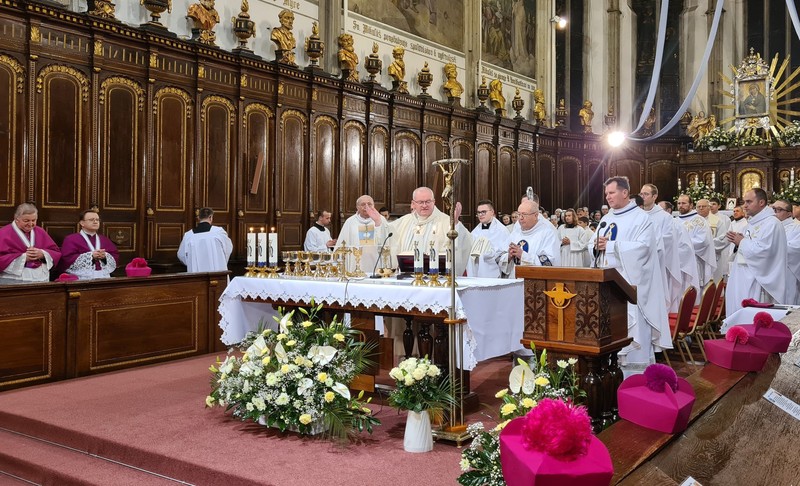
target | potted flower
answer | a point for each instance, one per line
(423, 391)
(296, 377)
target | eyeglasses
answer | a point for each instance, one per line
(481, 213)
(526, 214)
(781, 209)
(425, 203)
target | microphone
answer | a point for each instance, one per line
(598, 253)
(380, 250)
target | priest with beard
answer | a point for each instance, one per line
(758, 270)
(367, 229)
(627, 241)
(27, 253)
(532, 243)
(490, 241)
(88, 254)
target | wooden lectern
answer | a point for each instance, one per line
(581, 313)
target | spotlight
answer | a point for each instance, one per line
(560, 22)
(615, 139)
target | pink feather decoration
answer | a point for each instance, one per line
(737, 335)
(558, 430)
(657, 375)
(763, 319)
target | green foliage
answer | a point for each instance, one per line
(715, 138)
(420, 386)
(699, 190)
(791, 193)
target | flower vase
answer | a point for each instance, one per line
(418, 437)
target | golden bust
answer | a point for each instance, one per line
(586, 116)
(348, 59)
(496, 97)
(397, 70)
(205, 18)
(539, 112)
(452, 87)
(284, 38)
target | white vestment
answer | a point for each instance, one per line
(573, 254)
(720, 225)
(317, 238)
(538, 243)
(410, 231)
(667, 237)
(632, 249)
(758, 271)
(686, 256)
(362, 233)
(792, 228)
(207, 251)
(489, 246)
(703, 243)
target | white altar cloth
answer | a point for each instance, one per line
(493, 308)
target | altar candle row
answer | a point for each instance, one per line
(262, 248)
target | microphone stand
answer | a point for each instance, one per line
(380, 252)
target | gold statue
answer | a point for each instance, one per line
(701, 126)
(102, 8)
(205, 18)
(348, 59)
(539, 112)
(586, 116)
(496, 97)
(649, 123)
(397, 70)
(284, 38)
(452, 87)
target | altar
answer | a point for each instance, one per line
(493, 308)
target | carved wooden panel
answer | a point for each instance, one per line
(291, 182)
(120, 135)
(484, 161)
(663, 174)
(463, 149)
(62, 134)
(569, 176)
(405, 174)
(217, 152)
(122, 234)
(632, 169)
(12, 81)
(507, 189)
(378, 167)
(595, 177)
(173, 149)
(323, 182)
(545, 184)
(257, 136)
(535, 313)
(527, 177)
(169, 235)
(353, 182)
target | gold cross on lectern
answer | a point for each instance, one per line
(560, 297)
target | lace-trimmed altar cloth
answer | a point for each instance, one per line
(493, 308)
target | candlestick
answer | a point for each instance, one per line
(262, 248)
(696, 180)
(251, 248)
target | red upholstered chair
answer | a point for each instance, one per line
(700, 320)
(718, 313)
(680, 321)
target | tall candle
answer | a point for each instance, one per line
(791, 176)
(696, 180)
(448, 261)
(251, 248)
(679, 184)
(272, 244)
(433, 261)
(713, 180)
(418, 260)
(262, 248)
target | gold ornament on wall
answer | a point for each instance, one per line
(284, 39)
(314, 48)
(102, 8)
(451, 86)
(348, 59)
(243, 27)
(397, 70)
(205, 17)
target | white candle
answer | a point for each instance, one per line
(433, 261)
(791, 176)
(448, 261)
(696, 180)
(713, 180)
(418, 260)
(251, 248)
(272, 244)
(679, 184)
(262, 248)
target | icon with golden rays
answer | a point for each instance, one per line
(759, 97)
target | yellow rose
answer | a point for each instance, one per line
(501, 393)
(528, 402)
(322, 376)
(305, 419)
(542, 381)
(329, 396)
(339, 337)
(508, 409)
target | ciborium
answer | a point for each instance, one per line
(358, 272)
(243, 27)
(424, 79)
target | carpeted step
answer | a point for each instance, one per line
(39, 462)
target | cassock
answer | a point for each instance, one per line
(574, 253)
(317, 238)
(14, 243)
(667, 238)
(206, 248)
(758, 271)
(720, 225)
(489, 246)
(76, 256)
(687, 258)
(411, 229)
(792, 228)
(362, 233)
(538, 243)
(703, 243)
(632, 249)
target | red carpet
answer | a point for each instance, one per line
(154, 419)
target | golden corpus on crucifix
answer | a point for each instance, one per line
(560, 298)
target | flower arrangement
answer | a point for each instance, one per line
(715, 139)
(420, 386)
(791, 193)
(529, 384)
(296, 377)
(750, 140)
(791, 134)
(699, 190)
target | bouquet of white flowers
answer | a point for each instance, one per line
(750, 141)
(419, 386)
(716, 138)
(296, 377)
(791, 134)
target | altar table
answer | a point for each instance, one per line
(493, 308)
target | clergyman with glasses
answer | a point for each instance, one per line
(87, 254)
(490, 240)
(531, 243)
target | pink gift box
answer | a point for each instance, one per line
(773, 339)
(734, 356)
(523, 467)
(138, 268)
(665, 411)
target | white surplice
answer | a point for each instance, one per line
(207, 251)
(362, 233)
(792, 228)
(573, 254)
(720, 225)
(632, 249)
(317, 238)
(703, 243)
(489, 245)
(667, 237)
(539, 242)
(758, 271)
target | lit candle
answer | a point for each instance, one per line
(713, 180)
(272, 243)
(251, 248)
(696, 180)
(791, 176)
(262, 247)
(679, 184)
(433, 261)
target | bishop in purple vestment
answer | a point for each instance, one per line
(27, 253)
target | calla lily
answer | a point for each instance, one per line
(280, 353)
(521, 377)
(321, 354)
(305, 385)
(341, 390)
(285, 320)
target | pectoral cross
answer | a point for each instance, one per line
(560, 298)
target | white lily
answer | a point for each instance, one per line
(341, 390)
(285, 319)
(305, 384)
(321, 354)
(521, 377)
(280, 353)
